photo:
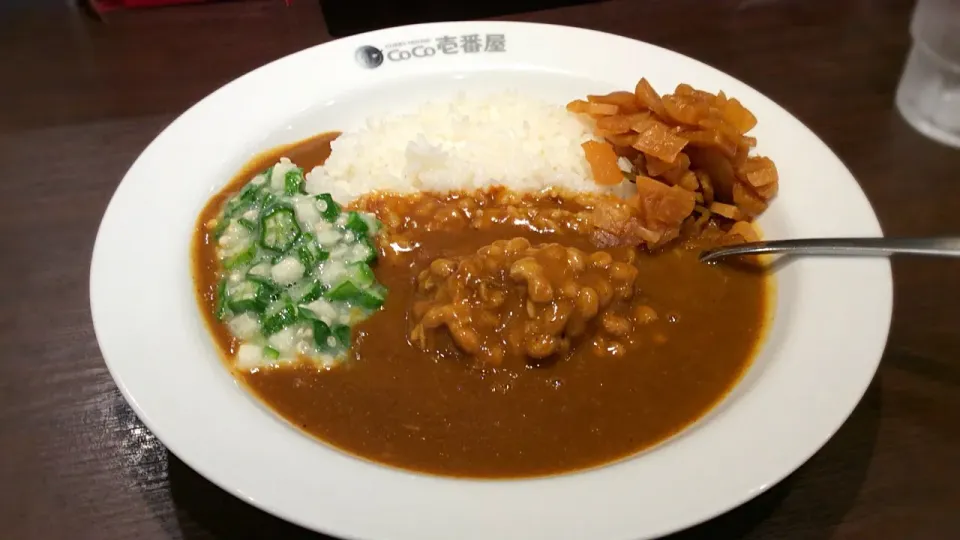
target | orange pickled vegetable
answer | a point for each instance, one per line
(718, 167)
(659, 141)
(602, 109)
(625, 101)
(603, 163)
(614, 125)
(743, 153)
(675, 176)
(628, 152)
(621, 123)
(688, 181)
(662, 205)
(711, 138)
(687, 91)
(720, 125)
(706, 186)
(721, 98)
(745, 230)
(649, 98)
(728, 211)
(594, 109)
(657, 166)
(738, 115)
(578, 106)
(761, 174)
(625, 139)
(684, 110)
(689, 147)
(747, 200)
(640, 121)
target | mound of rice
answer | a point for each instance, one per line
(466, 143)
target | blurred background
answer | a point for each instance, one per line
(87, 86)
(346, 17)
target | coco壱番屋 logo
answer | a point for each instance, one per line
(369, 56)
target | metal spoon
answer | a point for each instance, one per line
(845, 247)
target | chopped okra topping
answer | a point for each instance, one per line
(296, 270)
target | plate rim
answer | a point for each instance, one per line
(128, 394)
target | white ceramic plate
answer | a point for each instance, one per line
(828, 334)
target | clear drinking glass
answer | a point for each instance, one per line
(929, 93)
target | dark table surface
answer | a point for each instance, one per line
(79, 99)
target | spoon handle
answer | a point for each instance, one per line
(939, 247)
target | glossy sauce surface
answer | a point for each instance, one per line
(440, 411)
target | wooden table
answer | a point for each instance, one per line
(79, 99)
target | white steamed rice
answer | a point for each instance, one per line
(466, 143)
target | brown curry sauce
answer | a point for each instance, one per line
(394, 404)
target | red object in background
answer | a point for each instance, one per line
(101, 6)
(154, 3)
(108, 5)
